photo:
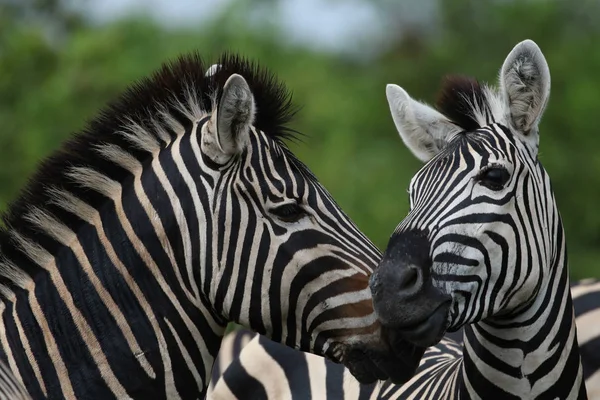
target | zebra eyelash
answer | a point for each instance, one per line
(288, 212)
(493, 176)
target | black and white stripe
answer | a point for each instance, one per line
(177, 210)
(10, 387)
(586, 301)
(324, 379)
(482, 247)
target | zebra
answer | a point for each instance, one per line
(10, 387)
(176, 210)
(324, 379)
(231, 347)
(586, 302)
(482, 248)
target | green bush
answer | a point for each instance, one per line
(48, 89)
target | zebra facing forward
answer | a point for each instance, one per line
(483, 244)
(324, 379)
(177, 210)
(482, 248)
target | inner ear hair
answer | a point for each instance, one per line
(234, 115)
(525, 79)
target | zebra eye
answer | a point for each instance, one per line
(290, 212)
(494, 177)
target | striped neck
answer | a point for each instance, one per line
(126, 286)
(532, 353)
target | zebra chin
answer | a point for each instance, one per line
(405, 299)
(397, 363)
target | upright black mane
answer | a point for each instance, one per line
(460, 99)
(273, 100)
(142, 103)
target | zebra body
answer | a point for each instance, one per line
(10, 387)
(177, 210)
(324, 379)
(482, 249)
(586, 301)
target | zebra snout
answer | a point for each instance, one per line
(404, 298)
(393, 288)
(404, 268)
(401, 282)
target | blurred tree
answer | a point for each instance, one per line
(54, 16)
(48, 91)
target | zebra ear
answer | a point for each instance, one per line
(525, 86)
(423, 130)
(234, 115)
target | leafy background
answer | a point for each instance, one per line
(57, 68)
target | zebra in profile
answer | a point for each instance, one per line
(482, 248)
(329, 380)
(178, 209)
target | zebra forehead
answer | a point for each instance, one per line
(468, 103)
(281, 155)
(492, 142)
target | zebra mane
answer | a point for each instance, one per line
(144, 119)
(468, 103)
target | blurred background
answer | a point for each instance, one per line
(60, 61)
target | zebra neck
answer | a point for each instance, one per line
(531, 354)
(119, 307)
(181, 248)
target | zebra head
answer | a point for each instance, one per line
(481, 231)
(289, 263)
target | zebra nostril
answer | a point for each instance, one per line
(409, 280)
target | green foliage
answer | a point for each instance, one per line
(48, 89)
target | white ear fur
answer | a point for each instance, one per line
(234, 115)
(525, 87)
(422, 129)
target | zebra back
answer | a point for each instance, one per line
(231, 347)
(586, 302)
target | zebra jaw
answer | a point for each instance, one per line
(394, 359)
(368, 365)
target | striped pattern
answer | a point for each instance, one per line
(485, 242)
(586, 300)
(482, 248)
(10, 387)
(231, 347)
(178, 209)
(323, 379)
(250, 370)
